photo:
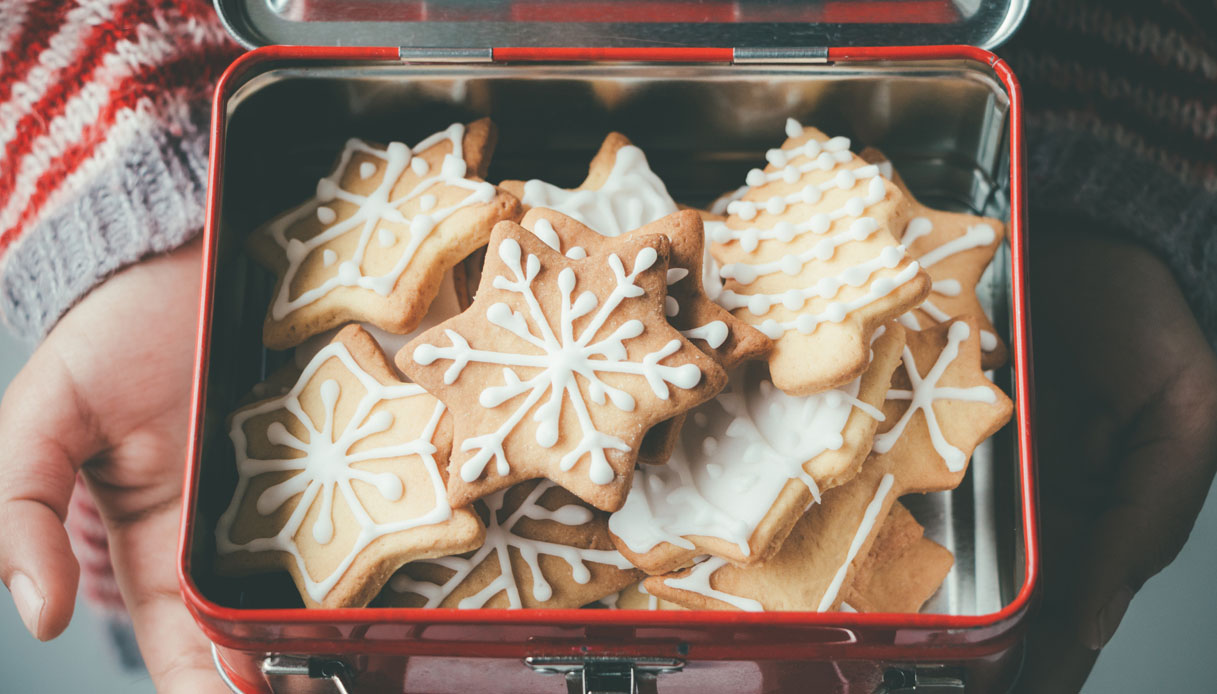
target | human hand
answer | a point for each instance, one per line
(108, 393)
(1126, 398)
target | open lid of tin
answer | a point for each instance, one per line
(477, 24)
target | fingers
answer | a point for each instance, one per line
(44, 437)
(1115, 313)
(176, 653)
(1163, 476)
(1128, 443)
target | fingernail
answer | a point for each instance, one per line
(28, 599)
(1108, 619)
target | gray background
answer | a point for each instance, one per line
(1165, 644)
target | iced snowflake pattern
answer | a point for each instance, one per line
(561, 356)
(373, 214)
(925, 391)
(500, 537)
(976, 236)
(327, 466)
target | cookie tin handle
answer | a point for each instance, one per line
(605, 675)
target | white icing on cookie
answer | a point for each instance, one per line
(698, 581)
(560, 357)
(501, 538)
(631, 196)
(926, 391)
(444, 306)
(326, 465)
(976, 236)
(370, 211)
(792, 166)
(864, 529)
(735, 455)
(713, 333)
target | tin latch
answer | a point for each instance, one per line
(605, 674)
(301, 675)
(922, 680)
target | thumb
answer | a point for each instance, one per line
(175, 651)
(45, 436)
(1161, 482)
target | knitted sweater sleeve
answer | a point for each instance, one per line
(1121, 116)
(104, 106)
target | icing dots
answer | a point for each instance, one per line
(566, 364)
(815, 168)
(501, 538)
(926, 391)
(325, 467)
(630, 197)
(375, 215)
(736, 454)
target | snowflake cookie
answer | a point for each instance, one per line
(689, 309)
(379, 233)
(559, 366)
(808, 257)
(954, 248)
(940, 407)
(544, 548)
(341, 479)
(749, 464)
(621, 196)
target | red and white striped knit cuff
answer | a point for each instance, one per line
(104, 106)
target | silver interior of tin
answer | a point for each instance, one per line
(722, 23)
(942, 123)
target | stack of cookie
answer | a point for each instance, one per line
(727, 404)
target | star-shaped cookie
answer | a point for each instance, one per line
(340, 480)
(955, 248)
(902, 570)
(710, 327)
(808, 258)
(543, 549)
(559, 366)
(634, 597)
(379, 233)
(940, 407)
(749, 464)
(620, 193)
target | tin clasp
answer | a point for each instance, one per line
(605, 675)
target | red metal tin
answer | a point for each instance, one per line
(396, 650)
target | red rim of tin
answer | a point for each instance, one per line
(207, 611)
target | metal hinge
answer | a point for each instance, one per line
(922, 680)
(301, 675)
(604, 675)
(445, 55)
(815, 55)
